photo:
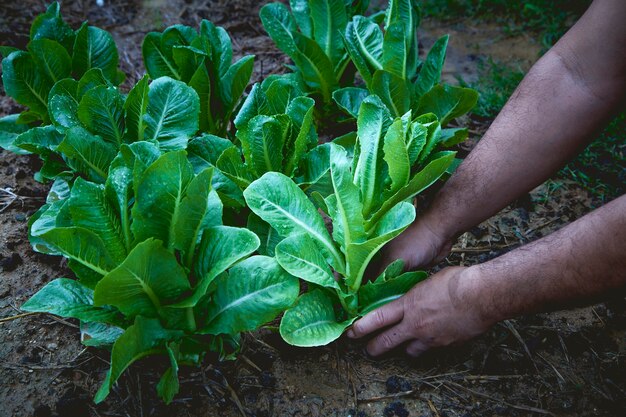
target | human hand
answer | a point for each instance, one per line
(440, 311)
(419, 245)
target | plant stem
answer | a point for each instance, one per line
(352, 311)
(191, 319)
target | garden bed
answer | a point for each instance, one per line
(565, 363)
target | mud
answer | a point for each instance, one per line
(470, 43)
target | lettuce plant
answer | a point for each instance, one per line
(204, 61)
(276, 130)
(137, 203)
(55, 52)
(91, 119)
(68, 80)
(388, 63)
(54, 63)
(157, 272)
(311, 35)
(394, 159)
(276, 133)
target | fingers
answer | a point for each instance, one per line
(416, 348)
(375, 320)
(387, 340)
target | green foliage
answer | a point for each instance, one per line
(55, 52)
(276, 133)
(601, 167)
(387, 61)
(142, 182)
(276, 130)
(394, 160)
(146, 247)
(551, 18)
(91, 120)
(77, 118)
(311, 35)
(203, 60)
(496, 83)
(9, 131)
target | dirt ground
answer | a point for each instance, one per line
(568, 363)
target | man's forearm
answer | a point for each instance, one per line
(556, 109)
(554, 112)
(584, 260)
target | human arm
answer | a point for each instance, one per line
(583, 261)
(564, 99)
(567, 96)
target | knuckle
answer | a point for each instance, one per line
(417, 326)
(379, 317)
(357, 329)
(386, 341)
(426, 333)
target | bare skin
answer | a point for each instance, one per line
(567, 96)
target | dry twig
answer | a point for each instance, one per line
(17, 316)
(501, 401)
(433, 408)
(386, 397)
(516, 334)
(249, 362)
(7, 197)
(482, 249)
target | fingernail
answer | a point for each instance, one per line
(350, 334)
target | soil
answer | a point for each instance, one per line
(569, 363)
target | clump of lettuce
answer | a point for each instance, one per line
(77, 117)
(310, 32)
(388, 63)
(394, 160)
(203, 60)
(143, 183)
(55, 52)
(158, 273)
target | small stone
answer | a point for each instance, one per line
(52, 346)
(396, 408)
(20, 217)
(395, 384)
(10, 263)
(267, 379)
